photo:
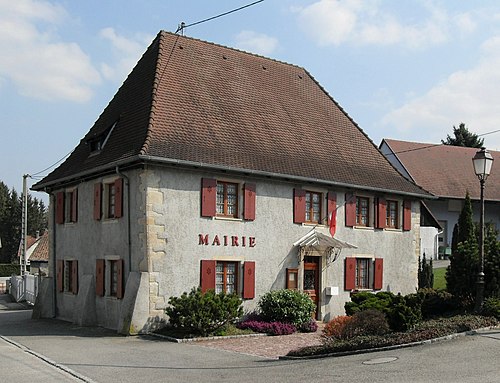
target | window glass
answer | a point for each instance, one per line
(363, 273)
(392, 214)
(226, 277)
(313, 207)
(68, 275)
(227, 199)
(362, 212)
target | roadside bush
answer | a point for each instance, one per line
(310, 326)
(366, 301)
(271, 328)
(8, 269)
(203, 313)
(338, 328)
(491, 307)
(287, 306)
(437, 303)
(405, 312)
(368, 322)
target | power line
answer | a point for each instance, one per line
(183, 26)
(51, 166)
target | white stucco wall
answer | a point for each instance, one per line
(165, 224)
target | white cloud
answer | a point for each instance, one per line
(33, 57)
(470, 96)
(126, 52)
(258, 43)
(336, 22)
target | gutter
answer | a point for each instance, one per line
(171, 161)
(54, 263)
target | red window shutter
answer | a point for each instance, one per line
(119, 198)
(381, 213)
(97, 200)
(350, 210)
(99, 277)
(74, 206)
(60, 207)
(74, 277)
(120, 287)
(249, 280)
(299, 205)
(208, 197)
(207, 275)
(60, 275)
(350, 273)
(407, 215)
(379, 271)
(249, 210)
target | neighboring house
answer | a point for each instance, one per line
(217, 168)
(447, 172)
(37, 253)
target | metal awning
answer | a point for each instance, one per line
(318, 242)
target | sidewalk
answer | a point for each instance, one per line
(7, 303)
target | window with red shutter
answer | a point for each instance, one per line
(97, 200)
(299, 205)
(207, 275)
(407, 215)
(208, 197)
(99, 277)
(379, 271)
(381, 213)
(350, 274)
(74, 277)
(60, 207)
(60, 275)
(350, 210)
(249, 280)
(249, 209)
(118, 186)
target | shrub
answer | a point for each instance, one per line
(368, 322)
(271, 328)
(310, 326)
(491, 307)
(287, 306)
(203, 313)
(438, 303)
(8, 269)
(338, 328)
(366, 301)
(405, 312)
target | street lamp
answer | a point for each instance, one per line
(482, 166)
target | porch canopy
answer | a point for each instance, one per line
(318, 242)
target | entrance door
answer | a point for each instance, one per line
(311, 280)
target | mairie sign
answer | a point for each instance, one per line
(226, 240)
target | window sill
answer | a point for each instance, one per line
(363, 227)
(393, 229)
(222, 218)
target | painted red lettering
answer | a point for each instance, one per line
(216, 241)
(225, 240)
(243, 241)
(202, 240)
(234, 239)
(251, 241)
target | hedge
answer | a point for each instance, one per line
(8, 269)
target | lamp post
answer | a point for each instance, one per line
(482, 166)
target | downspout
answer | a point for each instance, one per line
(129, 239)
(436, 243)
(54, 263)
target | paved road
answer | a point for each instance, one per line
(102, 356)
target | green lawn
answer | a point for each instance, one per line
(439, 281)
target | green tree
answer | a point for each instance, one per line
(461, 274)
(425, 273)
(463, 138)
(491, 262)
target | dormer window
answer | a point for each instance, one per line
(96, 144)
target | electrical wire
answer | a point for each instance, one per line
(183, 26)
(51, 166)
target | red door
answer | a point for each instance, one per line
(311, 280)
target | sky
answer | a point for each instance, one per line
(408, 70)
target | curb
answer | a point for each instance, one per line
(188, 340)
(48, 361)
(387, 348)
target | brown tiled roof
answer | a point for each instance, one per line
(445, 170)
(193, 102)
(41, 252)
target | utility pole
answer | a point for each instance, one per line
(24, 225)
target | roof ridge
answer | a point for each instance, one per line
(234, 49)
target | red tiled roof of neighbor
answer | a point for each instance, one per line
(41, 252)
(192, 102)
(446, 171)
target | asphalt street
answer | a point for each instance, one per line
(29, 349)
